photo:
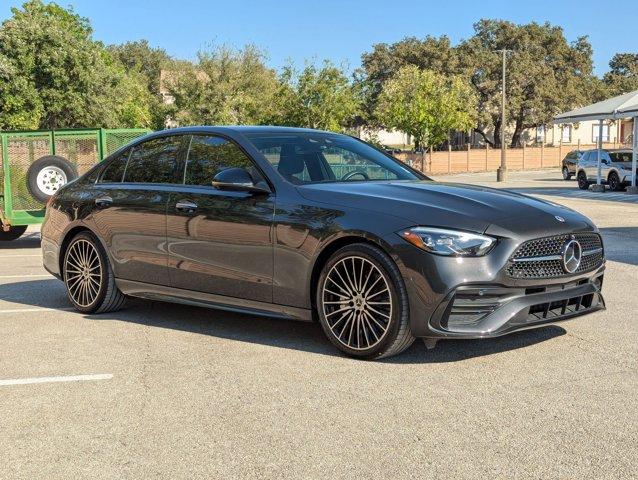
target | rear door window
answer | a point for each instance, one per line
(154, 161)
(114, 171)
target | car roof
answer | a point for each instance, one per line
(611, 150)
(244, 129)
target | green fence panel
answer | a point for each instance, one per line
(23, 149)
(18, 150)
(116, 138)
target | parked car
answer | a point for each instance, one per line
(570, 164)
(615, 169)
(304, 224)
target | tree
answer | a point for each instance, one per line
(623, 74)
(426, 105)
(226, 86)
(55, 68)
(145, 64)
(320, 98)
(545, 73)
(430, 53)
(20, 106)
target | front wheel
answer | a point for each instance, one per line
(566, 174)
(614, 182)
(88, 276)
(362, 303)
(13, 233)
(583, 184)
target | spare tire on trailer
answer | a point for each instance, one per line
(47, 174)
(13, 233)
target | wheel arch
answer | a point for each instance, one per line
(66, 240)
(330, 247)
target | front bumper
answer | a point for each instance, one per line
(478, 298)
(490, 310)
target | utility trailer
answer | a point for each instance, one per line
(35, 164)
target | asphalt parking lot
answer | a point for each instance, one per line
(184, 392)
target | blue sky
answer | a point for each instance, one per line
(340, 30)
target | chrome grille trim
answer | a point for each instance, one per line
(542, 257)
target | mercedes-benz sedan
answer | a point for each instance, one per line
(307, 225)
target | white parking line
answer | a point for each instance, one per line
(75, 378)
(20, 256)
(39, 309)
(27, 276)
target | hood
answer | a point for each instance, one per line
(452, 205)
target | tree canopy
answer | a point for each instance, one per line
(225, 86)
(426, 105)
(546, 74)
(623, 74)
(53, 74)
(322, 98)
(53, 68)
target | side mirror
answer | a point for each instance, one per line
(238, 180)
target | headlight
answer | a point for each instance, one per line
(449, 242)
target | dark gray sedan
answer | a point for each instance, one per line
(319, 226)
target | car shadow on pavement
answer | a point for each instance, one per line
(621, 244)
(278, 333)
(28, 240)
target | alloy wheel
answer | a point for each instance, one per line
(614, 182)
(357, 303)
(83, 272)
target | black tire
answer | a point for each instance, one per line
(566, 174)
(61, 171)
(397, 336)
(106, 297)
(14, 233)
(614, 182)
(583, 184)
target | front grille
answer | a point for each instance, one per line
(542, 257)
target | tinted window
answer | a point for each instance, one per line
(154, 161)
(309, 157)
(208, 155)
(114, 171)
(620, 156)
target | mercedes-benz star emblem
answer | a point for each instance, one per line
(572, 253)
(559, 218)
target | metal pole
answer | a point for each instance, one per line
(634, 158)
(599, 187)
(600, 149)
(501, 173)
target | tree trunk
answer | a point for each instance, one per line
(497, 133)
(482, 134)
(518, 131)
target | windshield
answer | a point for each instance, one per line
(310, 158)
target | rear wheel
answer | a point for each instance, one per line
(362, 303)
(566, 174)
(583, 184)
(614, 182)
(88, 276)
(13, 233)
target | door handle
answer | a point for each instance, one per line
(185, 206)
(103, 202)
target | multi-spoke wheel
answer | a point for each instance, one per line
(615, 185)
(362, 303)
(88, 276)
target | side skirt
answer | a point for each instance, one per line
(209, 300)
